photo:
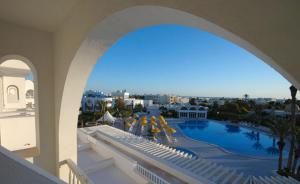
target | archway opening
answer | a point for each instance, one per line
(18, 113)
(102, 37)
(148, 64)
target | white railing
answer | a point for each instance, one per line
(76, 175)
(150, 176)
(271, 180)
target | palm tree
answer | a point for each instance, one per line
(103, 105)
(246, 96)
(293, 124)
(273, 150)
(258, 109)
(281, 129)
(297, 151)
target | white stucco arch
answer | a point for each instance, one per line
(35, 83)
(106, 33)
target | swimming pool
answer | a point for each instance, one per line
(233, 138)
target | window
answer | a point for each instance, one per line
(12, 94)
(29, 93)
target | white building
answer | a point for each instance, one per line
(133, 102)
(91, 100)
(185, 111)
(160, 99)
(16, 106)
(192, 112)
(15, 91)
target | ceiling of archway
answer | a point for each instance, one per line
(49, 14)
(40, 14)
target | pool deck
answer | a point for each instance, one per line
(247, 164)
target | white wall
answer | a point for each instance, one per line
(1, 94)
(19, 82)
(35, 48)
(17, 132)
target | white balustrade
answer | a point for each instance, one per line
(76, 175)
(198, 167)
(150, 176)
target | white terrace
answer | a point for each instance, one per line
(175, 164)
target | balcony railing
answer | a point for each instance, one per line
(76, 175)
(150, 176)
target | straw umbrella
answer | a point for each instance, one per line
(153, 121)
(144, 123)
(169, 131)
(155, 131)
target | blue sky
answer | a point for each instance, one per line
(172, 59)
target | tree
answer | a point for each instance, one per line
(192, 101)
(119, 103)
(281, 129)
(103, 107)
(138, 108)
(293, 124)
(258, 109)
(297, 151)
(246, 96)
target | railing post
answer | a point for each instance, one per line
(70, 172)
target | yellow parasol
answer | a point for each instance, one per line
(155, 130)
(164, 126)
(153, 123)
(144, 121)
(171, 130)
(162, 120)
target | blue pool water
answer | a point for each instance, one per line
(232, 137)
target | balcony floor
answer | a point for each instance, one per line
(99, 170)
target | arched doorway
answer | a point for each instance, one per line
(107, 33)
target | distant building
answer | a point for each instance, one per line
(120, 94)
(219, 101)
(133, 102)
(90, 101)
(160, 99)
(261, 101)
(189, 111)
(179, 99)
